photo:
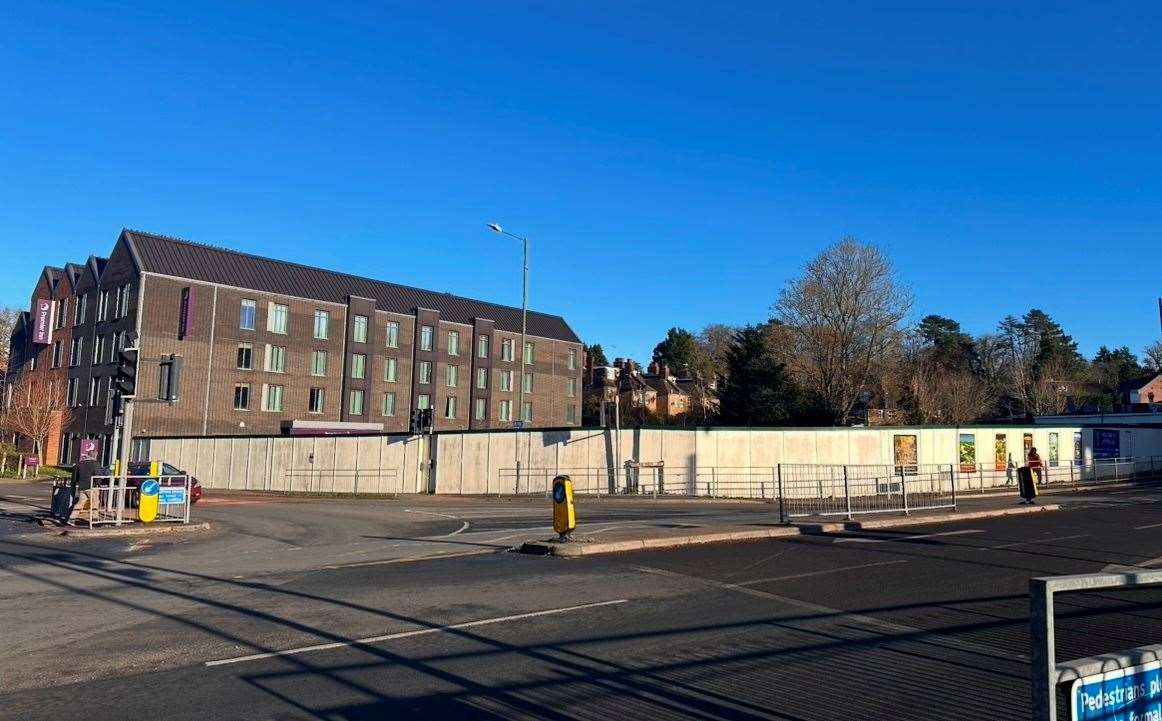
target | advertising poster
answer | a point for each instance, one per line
(905, 453)
(1053, 450)
(1001, 456)
(1107, 444)
(967, 452)
(42, 321)
(1078, 458)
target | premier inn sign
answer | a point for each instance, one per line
(42, 321)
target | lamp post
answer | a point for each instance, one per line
(524, 320)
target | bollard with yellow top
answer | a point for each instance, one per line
(564, 514)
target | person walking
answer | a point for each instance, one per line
(1031, 477)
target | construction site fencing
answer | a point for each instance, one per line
(343, 480)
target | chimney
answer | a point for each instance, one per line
(666, 370)
(653, 368)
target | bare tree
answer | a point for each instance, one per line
(944, 395)
(844, 315)
(35, 404)
(8, 318)
(1153, 356)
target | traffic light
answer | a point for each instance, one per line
(169, 386)
(125, 382)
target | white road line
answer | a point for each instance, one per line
(1033, 542)
(907, 538)
(772, 579)
(1142, 528)
(411, 559)
(430, 513)
(417, 632)
(461, 529)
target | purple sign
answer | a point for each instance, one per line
(42, 321)
(31, 461)
(90, 449)
(186, 314)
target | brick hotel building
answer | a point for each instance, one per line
(264, 343)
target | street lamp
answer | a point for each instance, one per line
(524, 320)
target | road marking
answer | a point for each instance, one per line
(1116, 567)
(906, 538)
(417, 632)
(429, 557)
(817, 573)
(461, 529)
(845, 617)
(1142, 528)
(431, 513)
(1036, 541)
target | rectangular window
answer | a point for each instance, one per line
(315, 400)
(318, 362)
(481, 346)
(572, 362)
(423, 401)
(277, 318)
(359, 329)
(505, 411)
(123, 306)
(529, 356)
(241, 396)
(95, 392)
(506, 348)
(355, 407)
(451, 376)
(389, 403)
(425, 372)
(75, 350)
(246, 314)
(480, 409)
(392, 334)
(245, 356)
(390, 370)
(322, 324)
(102, 305)
(79, 309)
(482, 378)
(276, 358)
(528, 383)
(505, 380)
(571, 387)
(56, 354)
(450, 407)
(271, 397)
(571, 414)
(426, 335)
(72, 400)
(59, 312)
(98, 348)
(453, 342)
(358, 365)
(526, 411)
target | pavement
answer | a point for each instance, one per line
(308, 609)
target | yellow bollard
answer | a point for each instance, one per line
(564, 514)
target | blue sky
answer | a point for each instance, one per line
(674, 163)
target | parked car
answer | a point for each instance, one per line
(141, 468)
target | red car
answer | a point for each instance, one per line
(141, 468)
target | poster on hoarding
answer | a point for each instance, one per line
(1078, 458)
(1107, 444)
(905, 453)
(1001, 456)
(1053, 450)
(967, 452)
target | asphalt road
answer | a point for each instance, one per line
(916, 623)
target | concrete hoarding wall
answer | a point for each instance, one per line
(693, 461)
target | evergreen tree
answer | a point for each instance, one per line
(682, 352)
(757, 390)
(596, 355)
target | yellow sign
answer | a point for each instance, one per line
(147, 500)
(564, 514)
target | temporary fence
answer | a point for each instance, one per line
(114, 500)
(980, 477)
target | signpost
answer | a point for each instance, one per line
(90, 449)
(1126, 693)
(172, 495)
(30, 462)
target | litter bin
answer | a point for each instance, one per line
(62, 499)
(1026, 485)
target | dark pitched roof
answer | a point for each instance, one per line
(74, 270)
(196, 261)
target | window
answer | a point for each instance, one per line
(79, 309)
(59, 313)
(103, 305)
(505, 380)
(390, 370)
(572, 362)
(271, 397)
(571, 414)
(450, 407)
(392, 335)
(505, 409)
(75, 350)
(276, 358)
(322, 324)
(123, 305)
(389, 403)
(117, 342)
(72, 392)
(315, 400)
(571, 387)
(528, 383)
(318, 362)
(423, 401)
(482, 378)
(359, 329)
(526, 411)
(426, 337)
(98, 348)
(425, 372)
(358, 365)
(246, 314)
(506, 347)
(480, 409)
(451, 376)
(482, 346)
(245, 356)
(95, 392)
(56, 354)
(529, 355)
(453, 342)
(241, 396)
(355, 406)
(277, 318)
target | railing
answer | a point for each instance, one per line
(113, 501)
(982, 477)
(343, 480)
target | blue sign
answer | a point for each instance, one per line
(172, 494)
(518, 425)
(558, 492)
(1107, 444)
(1128, 694)
(149, 487)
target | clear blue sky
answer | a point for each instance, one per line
(673, 162)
